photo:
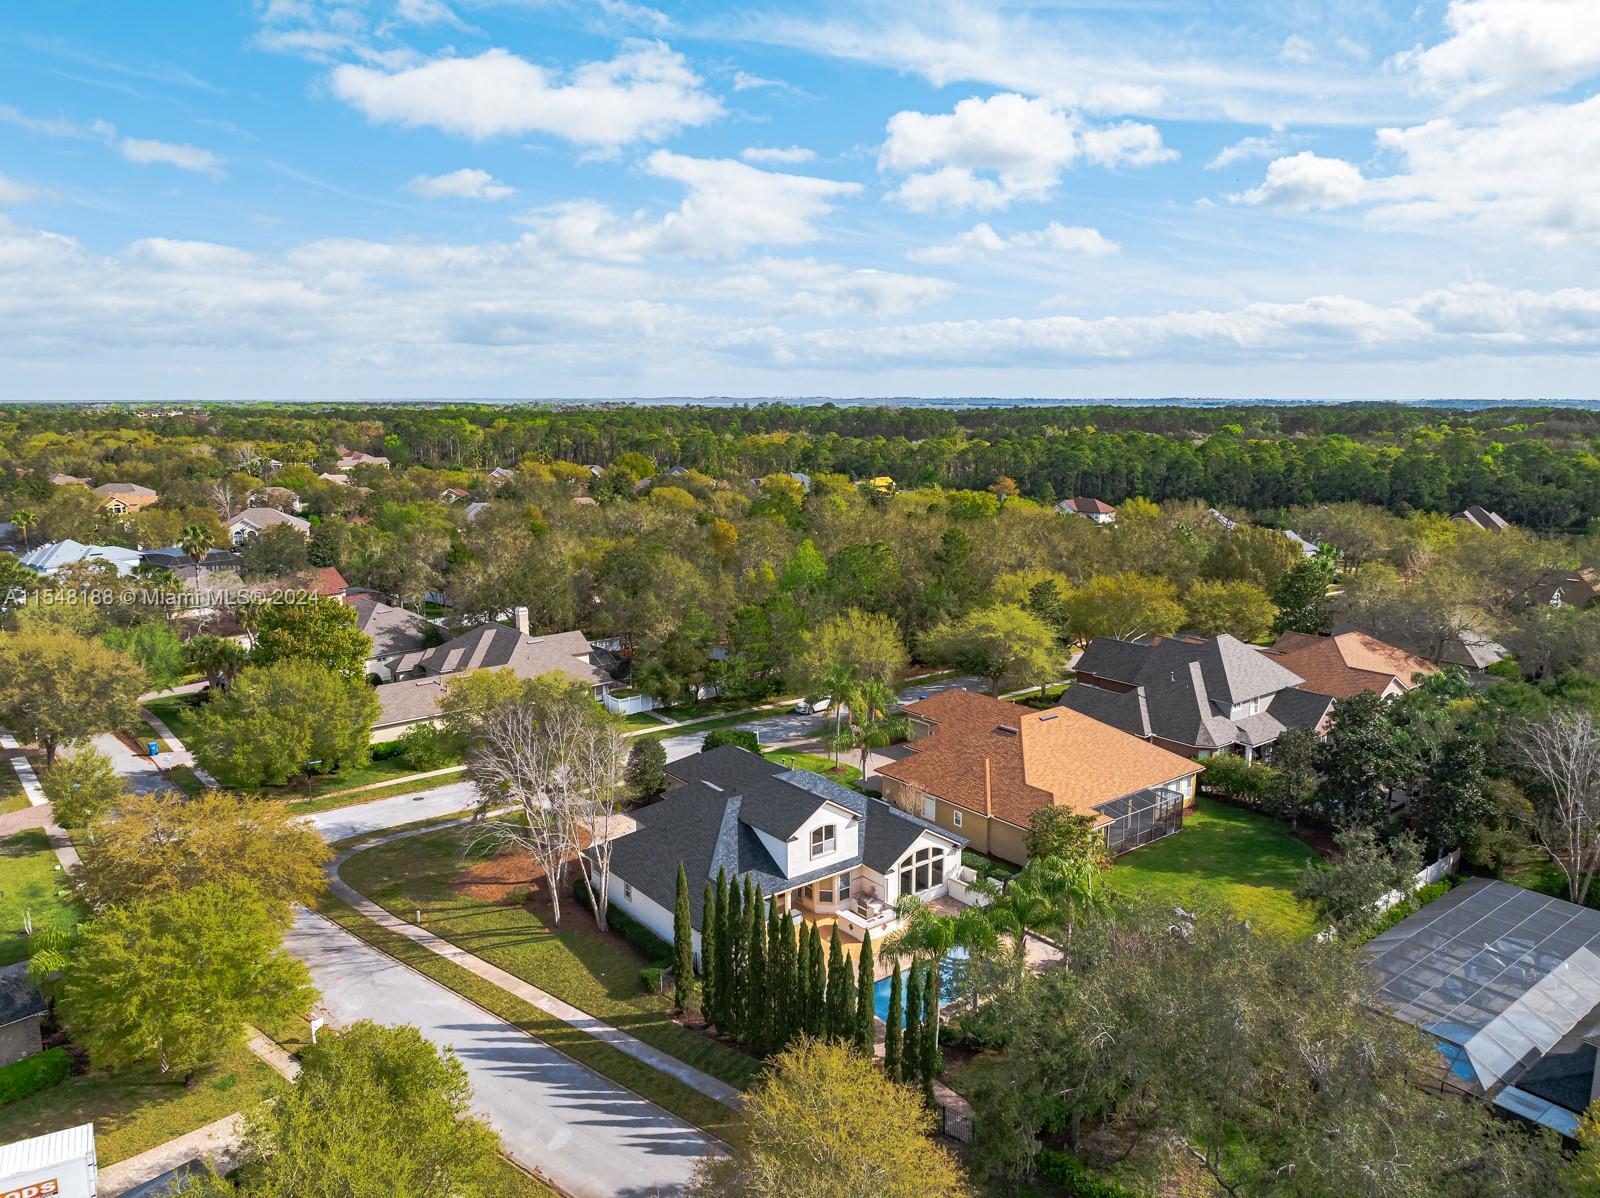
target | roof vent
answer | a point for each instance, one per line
(1005, 730)
(712, 785)
(1049, 715)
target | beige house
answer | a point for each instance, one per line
(120, 499)
(980, 767)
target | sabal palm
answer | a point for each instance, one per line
(196, 540)
(25, 521)
(929, 936)
(1050, 895)
(835, 683)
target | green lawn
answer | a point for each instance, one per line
(818, 763)
(599, 976)
(327, 802)
(177, 712)
(138, 1109)
(30, 881)
(1246, 860)
(12, 796)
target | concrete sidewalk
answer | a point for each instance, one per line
(217, 1141)
(178, 753)
(664, 1062)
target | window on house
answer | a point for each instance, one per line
(824, 895)
(824, 840)
(957, 817)
(843, 887)
(627, 892)
(922, 870)
(928, 808)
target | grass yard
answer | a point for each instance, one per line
(666, 1092)
(1246, 860)
(327, 802)
(12, 796)
(177, 712)
(818, 763)
(597, 974)
(138, 1109)
(30, 881)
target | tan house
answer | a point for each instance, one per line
(1349, 663)
(122, 498)
(980, 767)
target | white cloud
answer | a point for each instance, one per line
(1473, 318)
(1297, 49)
(729, 207)
(744, 81)
(646, 92)
(184, 157)
(12, 192)
(468, 183)
(1529, 47)
(1531, 169)
(1026, 144)
(982, 240)
(778, 156)
(427, 12)
(1306, 182)
(823, 289)
(1247, 148)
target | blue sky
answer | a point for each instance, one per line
(443, 198)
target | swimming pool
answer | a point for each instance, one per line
(880, 991)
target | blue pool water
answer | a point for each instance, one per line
(880, 992)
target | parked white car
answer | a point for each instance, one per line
(813, 706)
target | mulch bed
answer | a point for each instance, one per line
(509, 877)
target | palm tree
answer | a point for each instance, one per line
(835, 683)
(25, 521)
(196, 540)
(929, 936)
(1052, 894)
(872, 722)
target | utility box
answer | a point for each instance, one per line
(58, 1165)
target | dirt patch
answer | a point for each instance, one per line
(515, 880)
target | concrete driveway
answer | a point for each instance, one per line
(380, 814)
(787, 728)
(588, 1135)
(138, 773)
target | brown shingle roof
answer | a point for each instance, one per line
(1349, 663)
(996, 758)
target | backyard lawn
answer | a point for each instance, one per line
(1246, 860)
(439, 875)
(12, 796)
(30, 878)
(140, 1108)
(818, 763)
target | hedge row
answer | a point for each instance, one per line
(1073, 1176)
(32, 1074)
(654, 949)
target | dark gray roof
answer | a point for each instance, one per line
(1296, 708)
(19, 997)
(1185, 690)
(710, 823)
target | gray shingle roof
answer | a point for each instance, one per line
(19, 997)
(710, 823)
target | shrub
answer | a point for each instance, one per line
(1231, 777)
(654, 949)
(35, 1073)
(650, 978)
(1073, 1176)
(426, 747)
(388, 750)
(742, 737)
(986, 868)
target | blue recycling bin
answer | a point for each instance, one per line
(155, 747)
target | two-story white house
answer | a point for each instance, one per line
(820, 851)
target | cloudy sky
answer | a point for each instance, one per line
(458, 198)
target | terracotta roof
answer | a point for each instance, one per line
(996, 758)
(1348, 663)
(1086, 505)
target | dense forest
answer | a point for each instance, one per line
(1536, 466)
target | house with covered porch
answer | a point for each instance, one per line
(819, 851)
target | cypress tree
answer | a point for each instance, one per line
(777, 980)
(792, 1000)
(838, 975)
(894, 1025)
(817, 1000)
(734, 939)
(911, 1048)
(930, 1033)
(725, 926)
(847, 1000)
(755, 1016)
(682, 945)
(747, 995)
(866, 980)
(800, 1017)
(708, 954)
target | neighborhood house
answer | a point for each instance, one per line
(120, 499)
(980, 767)
(820, 852)
(253, 521)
